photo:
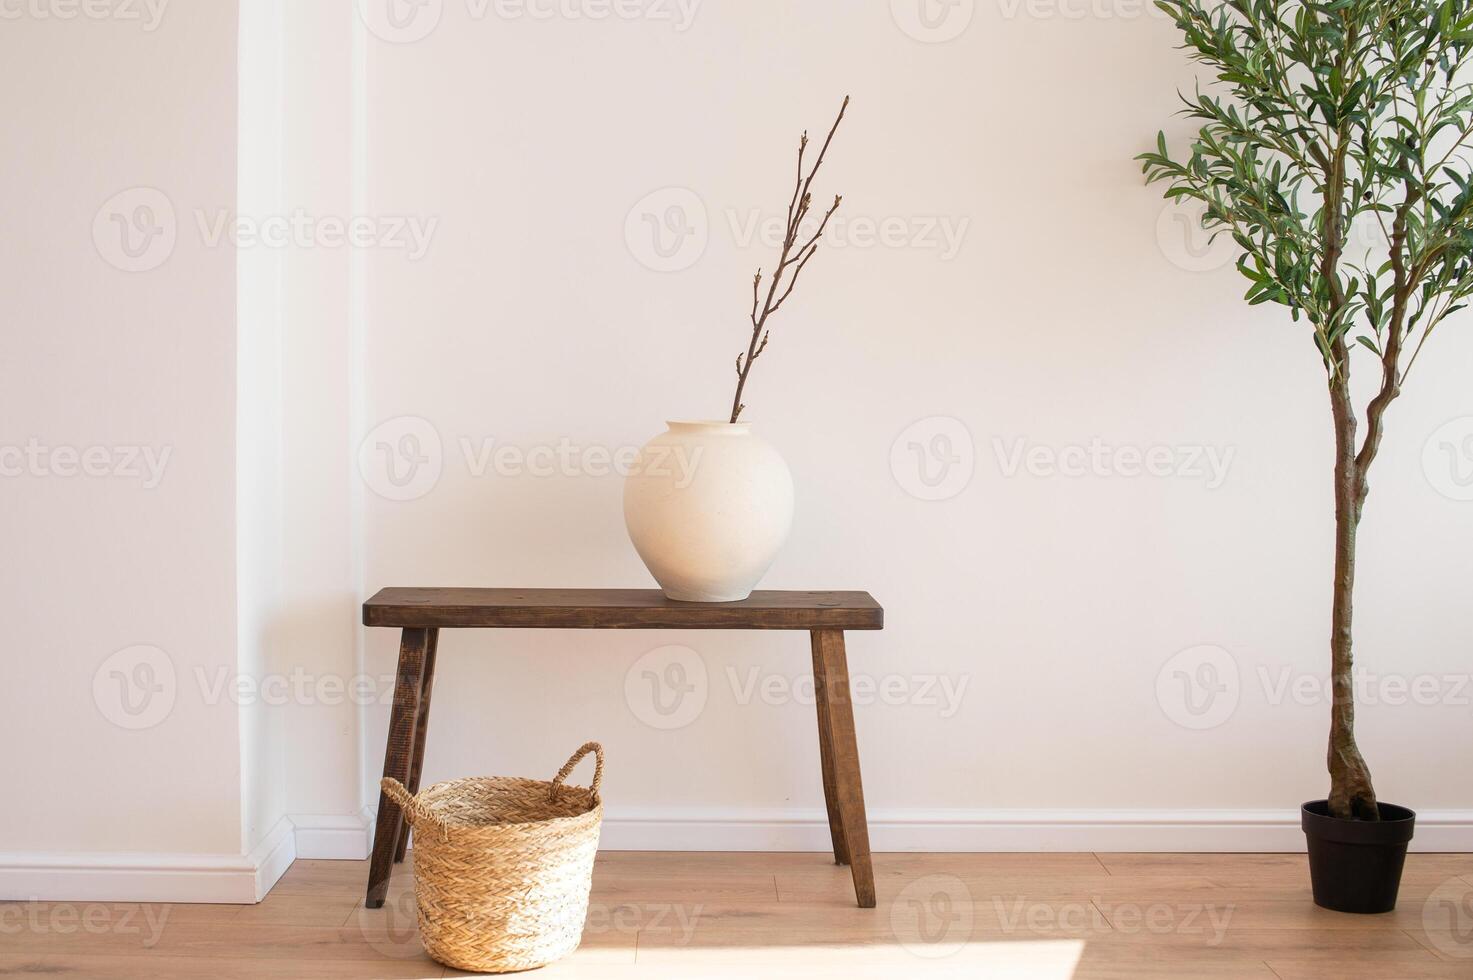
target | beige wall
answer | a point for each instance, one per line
(110, 747)
(1072, 310)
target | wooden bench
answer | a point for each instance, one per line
(422, 613)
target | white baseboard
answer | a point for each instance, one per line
(335, 837)
(272, 857)
(235, 879)
(231, 879)
(662, 829)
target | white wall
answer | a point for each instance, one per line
(1073, 310)
(297, 132)
(144, 476)
(119, 580)
(261, 486)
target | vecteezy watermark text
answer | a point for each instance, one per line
(570, 459)
(144, 464)
(1209, 464)
(668, 229)
(1447, 918)
(404, 458)
(137, 230)
(939, 233)
(410, 234)
(940, 691)
(1017, 914)
(668, 688)
(935, 458)
(1201, 687)
(137, 688)
(408, 21)
(92, 919)
(935, 916)
(1447, 459)
(147, 13)
(644, 918)
(933, 21)
(297, 687)
(1080, 9)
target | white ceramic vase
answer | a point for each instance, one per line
(708, 506)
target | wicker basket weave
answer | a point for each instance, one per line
(502, 866)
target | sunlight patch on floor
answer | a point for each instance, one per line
(1000, 960)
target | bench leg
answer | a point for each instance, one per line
(421, 725)
(398, 757)
(826, 759)
(840, 752)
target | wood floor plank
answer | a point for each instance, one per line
(984, 888)
(1206, 865)
(22, 965)
(1033, 959)
(677, 915)
(1102, 961)
(819, 863)
(625, 886)
(94, 916)
(231, 968)
(1441, 865)
(1446, 942)
(1170, 969)
(1291, 969)
(301, 910)
(1227, 867)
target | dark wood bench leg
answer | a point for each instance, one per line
(826, 758)
(421, 725)
(398, 756)
(836, 718)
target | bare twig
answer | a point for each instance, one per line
(798, 208)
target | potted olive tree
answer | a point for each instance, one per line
(1332, 151)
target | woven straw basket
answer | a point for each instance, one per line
(502, 866)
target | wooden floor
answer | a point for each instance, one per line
(1033, 916)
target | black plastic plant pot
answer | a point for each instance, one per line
(1355, 865)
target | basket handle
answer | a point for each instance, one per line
(395, 791)
(598, 766)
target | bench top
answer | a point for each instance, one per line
(618, 609)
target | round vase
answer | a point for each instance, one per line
(708, 506)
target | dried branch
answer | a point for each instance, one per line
(798, 208)
(811, 248)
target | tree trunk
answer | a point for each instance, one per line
(1351, 793)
